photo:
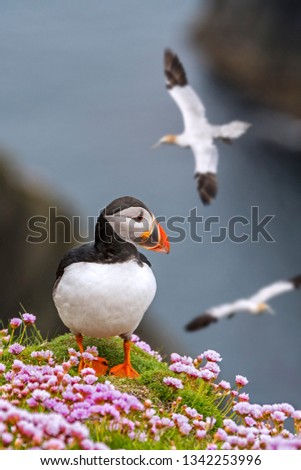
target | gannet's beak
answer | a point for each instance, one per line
(156, 145)
(269, 310)
(155, 239)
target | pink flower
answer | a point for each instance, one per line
(28, 318)
(88, 356)
(241, 381)
(16, 348)
(278, 416)
(207, 375)
(145, 347)
(40, 395)
(213, 367)
(17, 365)
(200, 434)
(7, 438)
(185, 429)
(250, 421)
(242, 408)
(2, 368)
(54, 444)
(188, 370)
(297, 415)
(287, 408)
(90, 379)
(15, 322)
(220, 435)
(212, 356)
(191, 412)
(256, 412)
(186, 360)
(87, 371)
(243, 397)
(224, 385)
(173, 382)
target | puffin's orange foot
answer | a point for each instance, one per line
(99, 364)
(124, 370)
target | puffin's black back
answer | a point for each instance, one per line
(108, 247)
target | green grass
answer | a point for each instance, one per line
(149, 385)
(196, 393)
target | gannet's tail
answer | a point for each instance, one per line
(230, 131)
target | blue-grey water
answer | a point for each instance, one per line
(82, 99)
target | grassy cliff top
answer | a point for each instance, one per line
(45, 403)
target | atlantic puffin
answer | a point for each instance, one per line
(198, 134)
(104, 288)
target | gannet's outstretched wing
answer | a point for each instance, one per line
(190, 105)
(230, 131)
(277, 288)
(217, 313)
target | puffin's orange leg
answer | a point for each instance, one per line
(99, 364)
(125, 369)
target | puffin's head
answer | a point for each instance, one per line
(167, 139)
(133, 222)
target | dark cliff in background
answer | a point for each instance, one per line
(27, 269)
(256, 45)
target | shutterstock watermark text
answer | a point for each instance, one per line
(238, 229)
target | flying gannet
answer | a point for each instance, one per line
(198, 133)
(254, 305)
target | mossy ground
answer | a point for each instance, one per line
(196, 394)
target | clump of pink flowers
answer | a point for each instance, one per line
(251, 426)
(146, 347)
(21, 429)
(47, 404)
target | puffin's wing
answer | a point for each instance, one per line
(230, 131)
(185, 97)
(213, 315)
(206, 161)
(144, 259)
(277, 288)
(75, 255)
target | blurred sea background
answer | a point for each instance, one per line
(82, 100)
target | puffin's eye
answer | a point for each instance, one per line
(139, 218)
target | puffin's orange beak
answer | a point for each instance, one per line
(163, 244)
(156, 240)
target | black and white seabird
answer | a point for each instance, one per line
(254, 305)
(104, 288)
(198, 133)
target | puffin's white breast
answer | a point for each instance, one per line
(102, 300)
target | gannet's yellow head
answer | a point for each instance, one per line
(262, 308)
(167, 139)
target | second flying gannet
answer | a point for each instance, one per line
(198, 133)
(254, 305)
